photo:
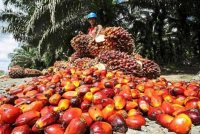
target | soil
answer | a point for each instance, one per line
(151, 127)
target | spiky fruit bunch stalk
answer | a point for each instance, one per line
(119, 38)
(116, 60)
(16, 72)
(80, 44)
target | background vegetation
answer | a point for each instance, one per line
(167, 31)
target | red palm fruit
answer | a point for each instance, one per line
(29, 88)
(118, 123)
(87, 118)
(156, 101)
(109, 92)
(167, 108)
(108, 84)
(191, 90)
(131, 105)
(85, 104)
(123, 113)
(88, 96)
(36, 105)
(82, 90)
(62, 105)
(103, 73)
(133, 112)
(45, 110)
(88, 79)
(75, 102)
(98, 97)
(177, 109)
(153, 112)
(149, 92)
(135, 122)
(23, 100)
(181, 124)
(135, 94)
(44, 121)
(28, 118)
(69, 86)
(54, 129)
(19, 95)
(42, 97)
(108, 111)
(15, 91)
(49, 92)
(56, 78)
(179, 100)
(107, 101)
(140, 87)
(5, 129)
(176, 91)
(168, 98)
(131, 85)
(31, 93)
(192, 103)
(9, 113)
(126, 95)
(100, 127)
(164, 119)
(148, 84)
(95, 113)
(76, 126)
(145, 98)
(119, 101)
(143, 105)
(70, 114)
(24, 129)
(54, 99)
(99, 85)
(194, 115)
(69, 94)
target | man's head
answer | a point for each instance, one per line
(92, 18)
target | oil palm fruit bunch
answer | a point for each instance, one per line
(80, 44)
(150, 69)
(81, 62)
(61, 64)
(16, 72)
(116, 60)
(119, 38)
(75, 56)
(32, 72)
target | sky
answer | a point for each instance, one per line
(7, 45)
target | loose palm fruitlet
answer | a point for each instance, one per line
(83, 101)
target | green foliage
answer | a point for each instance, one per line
(167, 31)
(2, 72)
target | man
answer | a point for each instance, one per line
(94, 29)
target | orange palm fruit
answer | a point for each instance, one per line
(63, 104)
(69, 86)
(69, 94)
(131, 105)
(95, 113)
(54, 99)
(31, 93)
(156, 101)
(181, 124)
(56, 78)
(76, 126)
(44, 121)
(87, 118)
(143, 105)
(108, 111)
(135, 122)
(88, 96)
(47, 109)
(36, 105)
(98, 97)
(133, 112)
(164, 119)
(167, 108)
(119, 101)
(24, 129)
(135, 94)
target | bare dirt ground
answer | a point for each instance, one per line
(151, 127)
